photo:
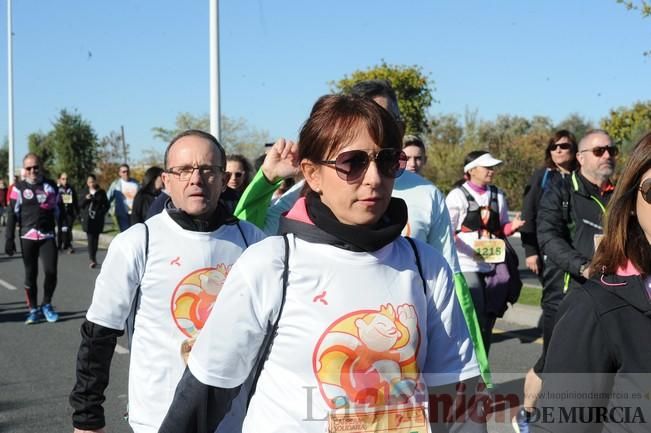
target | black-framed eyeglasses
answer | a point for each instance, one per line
(645, 189)
(32, 168)
(600, 150)
(352, 164)
(184, 172)
(563, 146)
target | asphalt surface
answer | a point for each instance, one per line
(37, 362)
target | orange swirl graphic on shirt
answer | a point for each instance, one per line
(368, 358)
(194, 297)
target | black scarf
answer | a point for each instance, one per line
(354, 237)
(208, 223)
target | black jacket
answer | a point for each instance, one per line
(93, 210)
(599, 356)
(570, 215)
(533, 191)
(141, 204)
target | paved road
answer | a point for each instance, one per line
(37, 363)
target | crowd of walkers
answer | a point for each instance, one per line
(336, 270)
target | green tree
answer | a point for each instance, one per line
(110, 154)
(412, 86)
(75, 147)
(626, 125)
(237, 136)
(4, 160)
(576, 124)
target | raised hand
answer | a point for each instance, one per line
(281, 160)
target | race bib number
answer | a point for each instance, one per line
(405, 420)
(490, 250)
(67, 198)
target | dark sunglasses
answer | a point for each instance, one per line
(235, 174)
(645, 189)
(563, 146)
(600, 150)
(33, 167)
(352, 164)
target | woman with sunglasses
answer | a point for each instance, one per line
(560, 161)
(603, 327)
(480, 219)
(362, 322)
(239, 169)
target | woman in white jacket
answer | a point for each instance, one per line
(362, 322)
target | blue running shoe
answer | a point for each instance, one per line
(521, 421)
(49, 313)
(34, 316)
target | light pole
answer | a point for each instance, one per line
(215, 114)
(10, 93)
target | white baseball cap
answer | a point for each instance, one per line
(486, 160)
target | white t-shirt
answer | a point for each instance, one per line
(428, 218)
(355, 325)
(183, 274)
(458, 207)
(129, 189)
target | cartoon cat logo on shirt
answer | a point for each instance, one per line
(194, 296)
(368, 358)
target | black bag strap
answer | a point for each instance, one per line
(246, 243)
(272, 329)
(131, 318)
(418, 265)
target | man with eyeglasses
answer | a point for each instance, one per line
(570, 225)
(121, 194)
(171, 268)
(33, 205)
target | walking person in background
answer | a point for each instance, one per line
(239, 169)
(68, 207)
(479, 213)
(121, 194)
(598, 357)
(33, 206)
(416, 153)
(152, 185)
(93, 209)
(560, 161)
(3, 202)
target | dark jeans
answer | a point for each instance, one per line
(477, 286)
(46, 249)
(93, 242)
(64, 232)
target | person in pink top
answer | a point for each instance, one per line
(480, 219)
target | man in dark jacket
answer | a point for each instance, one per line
(570, 226)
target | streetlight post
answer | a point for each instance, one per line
(215, 114)
(10, 92)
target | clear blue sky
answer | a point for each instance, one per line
(139, 63)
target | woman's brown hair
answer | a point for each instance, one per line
(624, 238)
(334, 122)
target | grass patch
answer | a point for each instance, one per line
(530, 296)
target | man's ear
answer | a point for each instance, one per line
(312, 174)
(165, 176)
